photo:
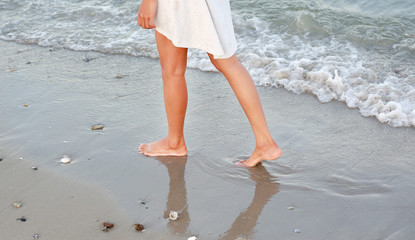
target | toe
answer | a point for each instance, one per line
(243, 164)
(142, 148)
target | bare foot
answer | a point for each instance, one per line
(163, 148)
(261, 154)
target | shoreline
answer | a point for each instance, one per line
(337, 171)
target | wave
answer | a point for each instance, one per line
(342, 55)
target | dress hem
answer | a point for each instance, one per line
(188, 45)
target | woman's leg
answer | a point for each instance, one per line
(173, 62)
(245, 90)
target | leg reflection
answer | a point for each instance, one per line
(177, 197)
(265, 188)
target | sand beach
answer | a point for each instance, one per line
(341, 176)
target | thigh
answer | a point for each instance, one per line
(173, 60)
(225, 65)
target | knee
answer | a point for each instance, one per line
(171, 73)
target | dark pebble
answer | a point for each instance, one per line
(1, 159)
(28, 63)
(139, 227)
(22, 219)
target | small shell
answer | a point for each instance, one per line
(173, 215)
(65, 159)
(297, 230)
(17, 204)
(118, 76)
(107, 226)
(34, 168)
(192, 238)
(291, 208)
(25, 105)
(36, 236)
(139, 227)
(97, 127)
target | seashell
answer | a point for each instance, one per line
(17, 204)
(65, 159)
(139, 227)
(173, 215)
(291, 208)
(34, 168)
(97, 127)
(25, 105)
(118, 76)
(36, 236)
(192, 238)
(12, 69)
(107, 226)
(297, 230)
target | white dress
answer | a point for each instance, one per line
(202, 24)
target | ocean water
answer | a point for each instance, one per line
(361, 53)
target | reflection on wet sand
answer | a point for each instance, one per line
(265, 187)
(177, 197)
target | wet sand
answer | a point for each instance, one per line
(347, 177)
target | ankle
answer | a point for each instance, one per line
(175, 142)
(265, 143)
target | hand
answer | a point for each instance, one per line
(146, 14)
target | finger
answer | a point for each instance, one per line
(151, 22)
(139, 19)
(147, 24)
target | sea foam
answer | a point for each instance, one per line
(333, 53)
